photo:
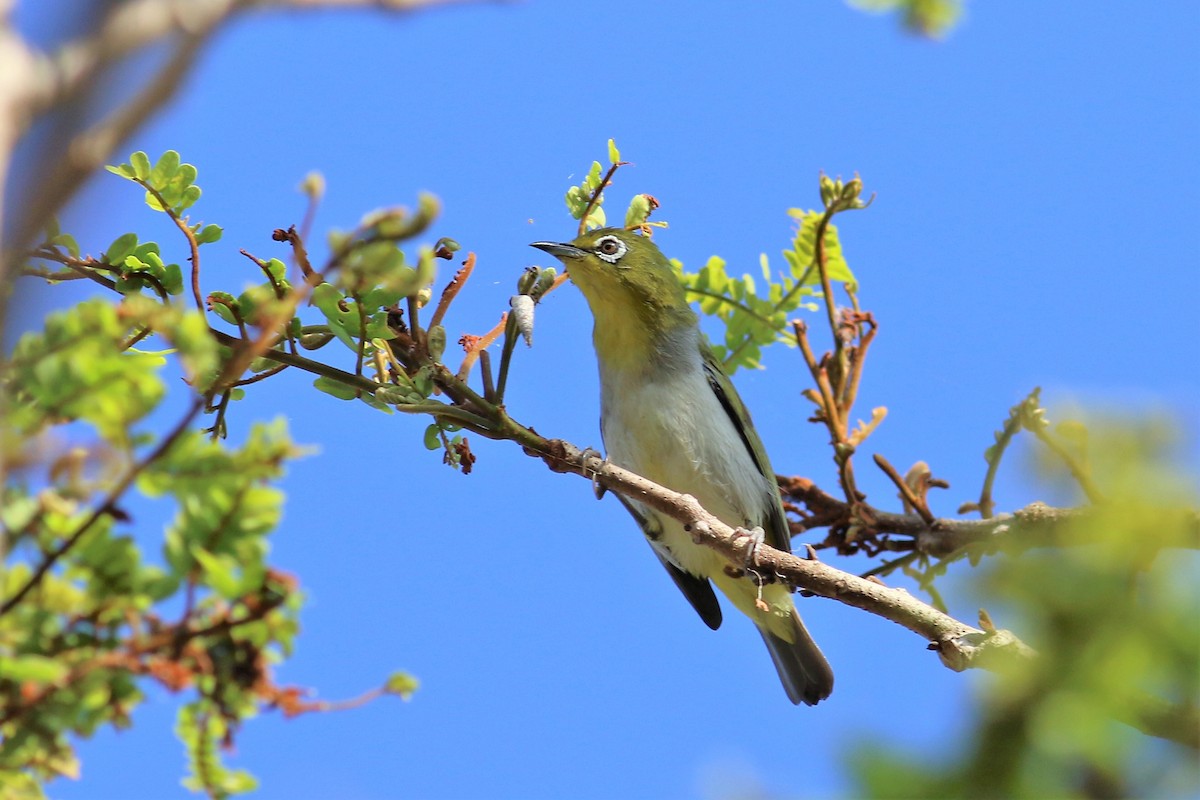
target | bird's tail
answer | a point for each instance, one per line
(806, 675)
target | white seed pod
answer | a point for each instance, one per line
(522, 309)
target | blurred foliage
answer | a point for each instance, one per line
(1112, 614)
(933, 18)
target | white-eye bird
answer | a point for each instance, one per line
(670, 413)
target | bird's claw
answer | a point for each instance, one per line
(757, 536)
(597, 489)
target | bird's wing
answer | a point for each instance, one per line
(775, 525)
(698, 591)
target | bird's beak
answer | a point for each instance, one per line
(559, 250)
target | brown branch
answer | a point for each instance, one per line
(185, 229)
(823, 271)
(1036, 525)
(858, 357)
(299, 253)
(906, 491)
(262, 376)
(595, 196)
(452, 289)
(958, 645)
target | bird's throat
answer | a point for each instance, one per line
(631, 343)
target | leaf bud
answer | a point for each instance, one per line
(436, 342)
(545, 280)
(528, 279)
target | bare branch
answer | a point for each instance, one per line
(958, 645)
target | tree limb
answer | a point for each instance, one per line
(959, 646)
(1035, 525)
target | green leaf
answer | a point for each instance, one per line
(124, 170)
(219, 302)
(329, 300)
(277, 269)
(375, 403)
(638, 211)
(154, 203)
(164, 170)
(121, 248)
(68, 241)
(220, 573)
(141, 165)
(208, 234)
(614, 155)
(172, 279)
(593, 177)
(190, 195)
(185, 177)
(433, 438)
(130, 285)
(382, 297)
(32, 668)
(336, 388)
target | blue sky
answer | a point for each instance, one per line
(1035, 225)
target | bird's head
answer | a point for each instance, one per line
(625, 278)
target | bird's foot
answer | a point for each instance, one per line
(597, 489)
(757, 536)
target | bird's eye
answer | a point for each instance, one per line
(610, 248)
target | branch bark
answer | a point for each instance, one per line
(1035, 525)
(959, 646)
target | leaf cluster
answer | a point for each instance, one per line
(1111, 612)
(89, 611)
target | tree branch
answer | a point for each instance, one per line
(1036, 525)
(959, 646)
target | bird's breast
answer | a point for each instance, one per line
(671, 428)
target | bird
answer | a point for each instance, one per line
(669, 412)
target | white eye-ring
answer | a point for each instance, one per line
(609, 248)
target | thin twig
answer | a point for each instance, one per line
(452, 289)
(262, 376)
(1078, 471)
(1012, 426)
(910, 497)
(823, 270)
(858, 357)
(185, 229)
(595, 196)
(105, 506)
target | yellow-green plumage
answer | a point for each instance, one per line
(670, 413)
